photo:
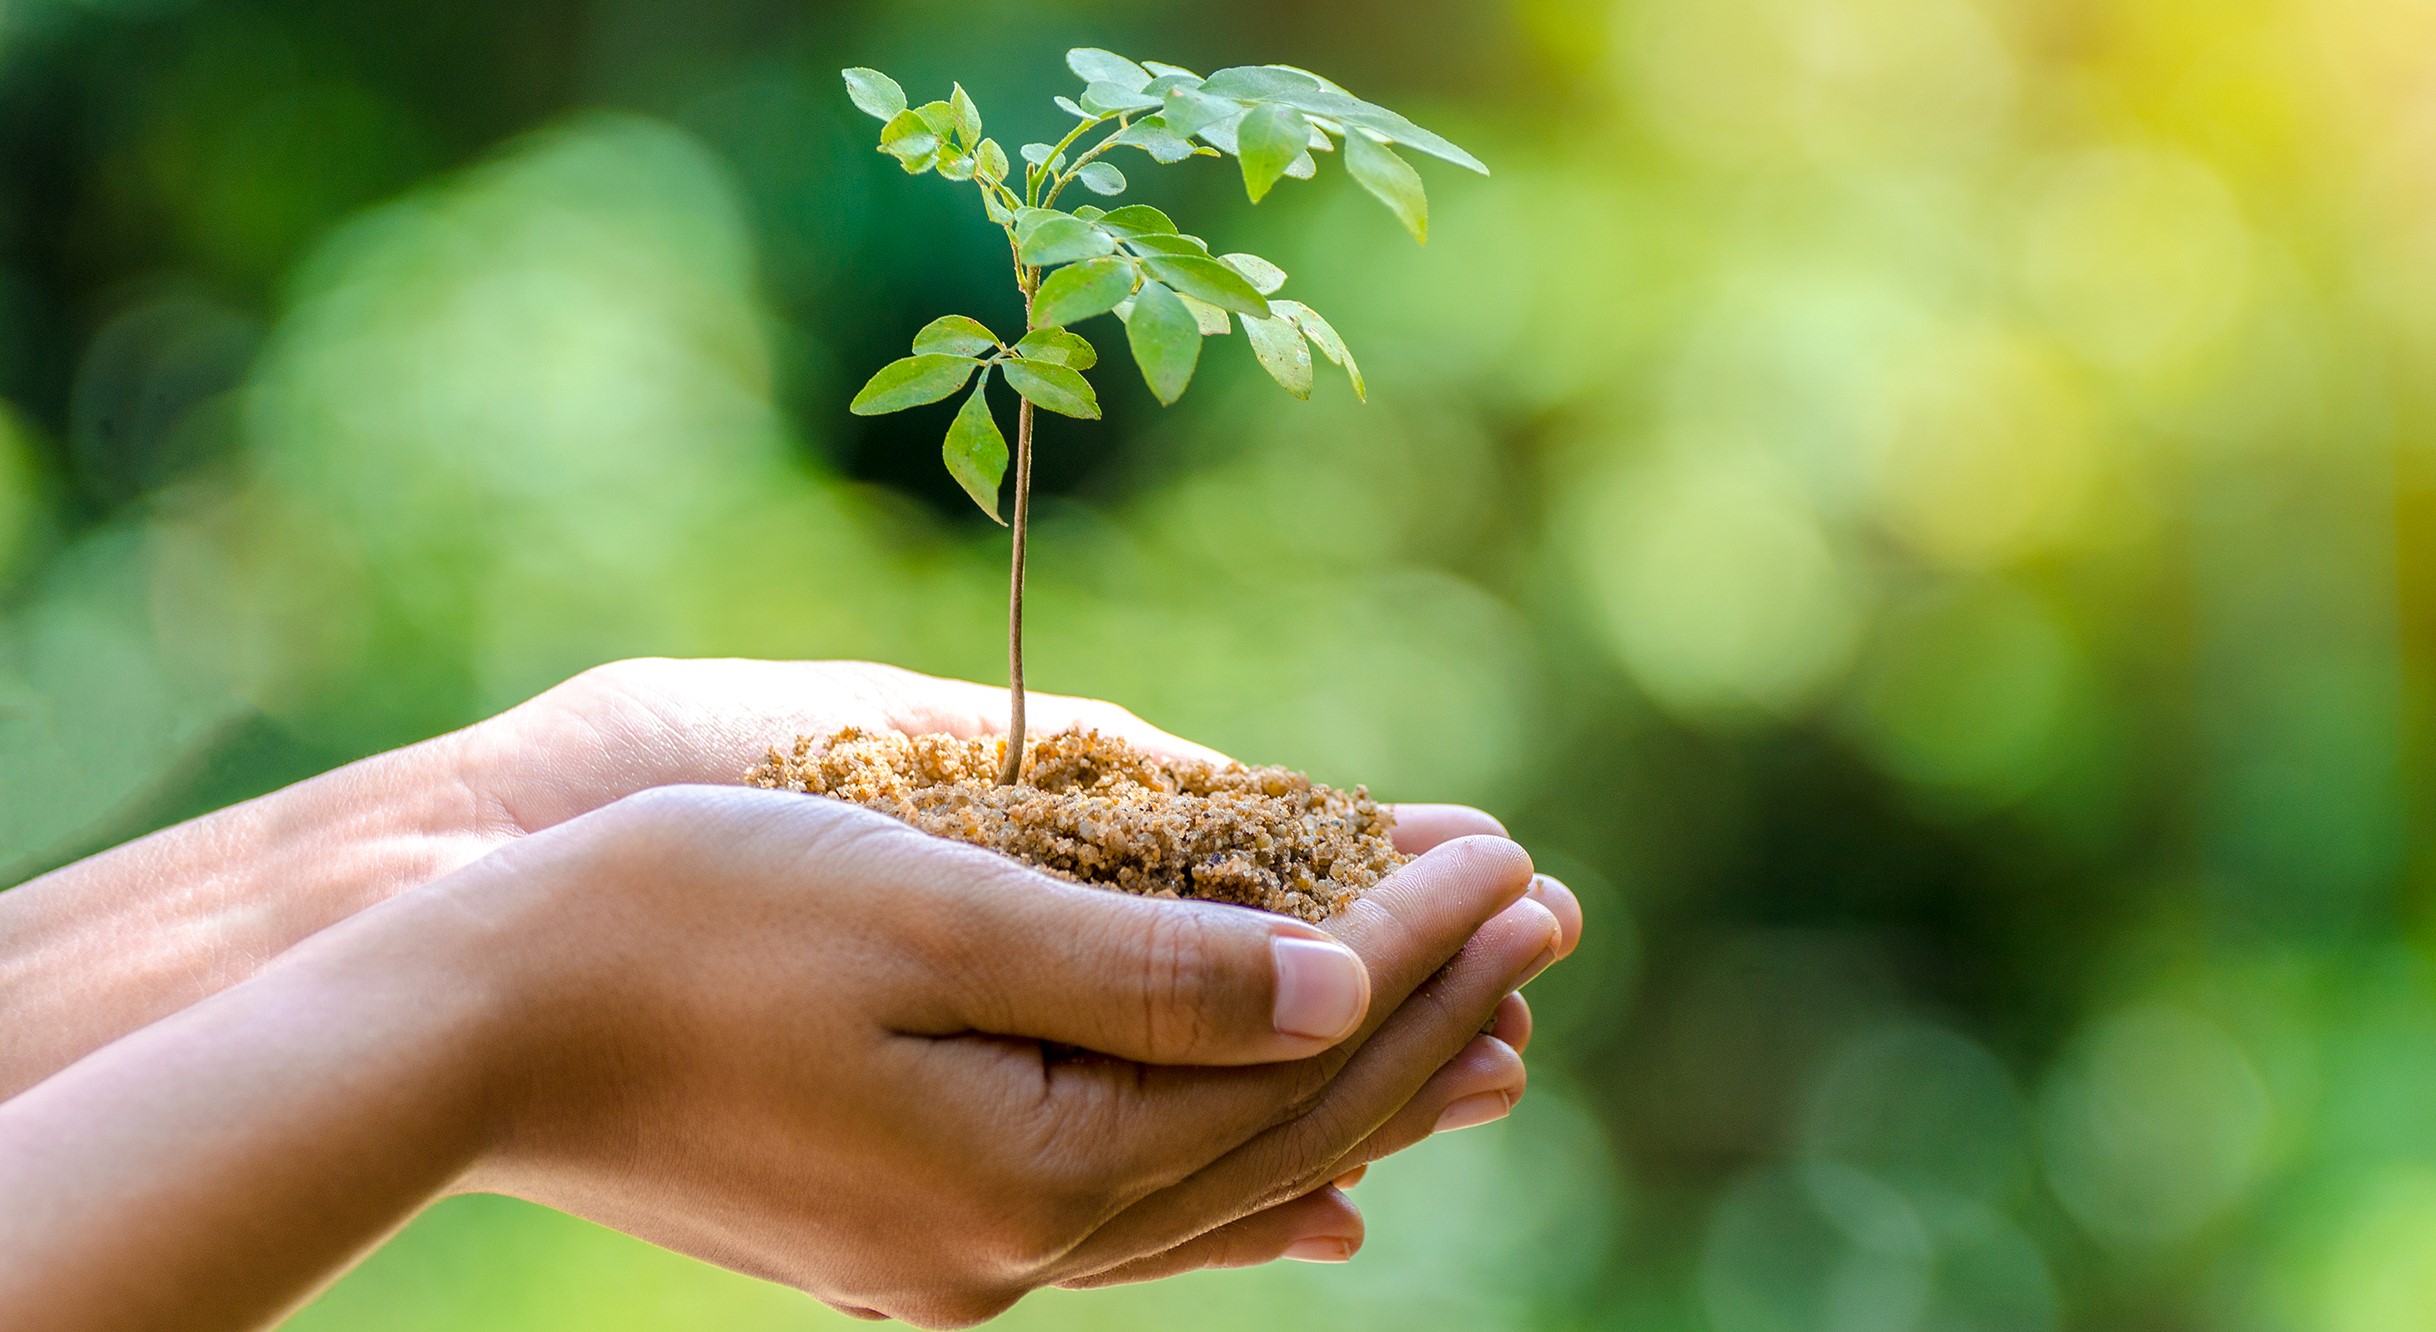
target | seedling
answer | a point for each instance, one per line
(1132, 261)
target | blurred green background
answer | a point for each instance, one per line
(1921, 510)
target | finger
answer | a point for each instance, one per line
(1436, 1023)
(1403, 930)
(633, 725)
(1418, 918)
(1420, 827)
(1482, 1067)
(1562, 904)
(1319, 1227)
(1152, 980)
(1513, 1022)
(1479, 1086)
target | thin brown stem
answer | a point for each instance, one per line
(1011, 771)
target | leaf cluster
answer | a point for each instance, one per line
(1167, 286)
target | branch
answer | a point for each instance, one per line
(1034, 174)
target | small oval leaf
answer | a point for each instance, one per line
(1166, 341)
(1392, 179)
(1059, 346)
(1282, 352)
(1264, 276)
(1324, 336)
(1054, 387)
(975, 451)
(1267, 143)
(912, 382)
(1079, 291)
(1062, 240)
(1101, 178)
(874, 93)
(1212, 281)
(1139, 219)
(954, 335)
(1093, 65)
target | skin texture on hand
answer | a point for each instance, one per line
(103, 948)
(781, 1034)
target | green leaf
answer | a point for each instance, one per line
(1101, 178)
(876, 94)
(940, 116)
(1082, 290)
(908, 138)
(1264, 276)
(1324, 336)
(1028, 220)
(959, 167)
(1267, 142)
(1170, 71)
(1164, 145)
(1212, 281)
(1166, 341)
(954, 335)
(975, 452)
(1062, 240)
(1058, 346)
(1310, 93)
(1105, 98)
(1054, 387)
(1157, 244)
(1190, 111)
(1224, 135)
(1392, 179)
(1139, 219)
(1066, 104)
(1282, 352)
(967, 115)
(1172, 79)
(1214, 322)
(993, 160)
(911, 382)
(997, 211)
(1090, 212)
(1093, 65)
(1038, 153)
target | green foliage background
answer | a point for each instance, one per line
(1919, 509)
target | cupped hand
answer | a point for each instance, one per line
(810, 1043)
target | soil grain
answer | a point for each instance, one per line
(1095, 810)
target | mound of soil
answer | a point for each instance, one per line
(1095, 810)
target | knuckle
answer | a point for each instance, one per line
(1178, 975)
(1037, 1236)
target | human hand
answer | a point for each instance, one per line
(102, 947)
(785, 1035)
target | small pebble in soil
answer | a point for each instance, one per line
(1095, 810)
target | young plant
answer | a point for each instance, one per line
(1166, 286)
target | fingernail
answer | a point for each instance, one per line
(1322, 989)
(1487, 1107)
(1320, 1249)
(1351, 1177)
(1560, 902)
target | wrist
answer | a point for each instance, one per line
(112, 943)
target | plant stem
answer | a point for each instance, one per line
(1011, 772)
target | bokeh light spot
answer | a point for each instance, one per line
(2152, 1126)
(1716, 584)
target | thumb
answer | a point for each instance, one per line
(1157, 981)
